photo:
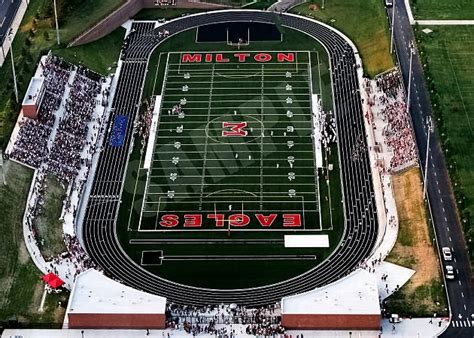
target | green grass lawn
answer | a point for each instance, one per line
(20, 285)
(85, 15)
(363, 21)
(99, 55)
(442, 10)
(50, 229)
(423, 301)
(449, 55)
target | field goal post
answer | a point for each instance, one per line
(241, 41)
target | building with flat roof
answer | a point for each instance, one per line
(99, 302)
(351, 303)
(33, 97)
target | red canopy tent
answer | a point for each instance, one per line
(53, 280)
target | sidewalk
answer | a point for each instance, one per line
(414, 328)
(409, 328)
(445, 22)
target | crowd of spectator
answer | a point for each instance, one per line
(397, 131)
(31, 144)
(56, 73)
(49, 105)
(399, 134)
(65, 158)
(263, 321)
(145, 120)
(76, 255)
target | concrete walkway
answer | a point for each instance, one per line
(414, 328)
(284, 5)
(445, 22)
(409, 328)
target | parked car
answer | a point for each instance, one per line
(447, 254)
(394, 318)
(449, 272)
(388, 3)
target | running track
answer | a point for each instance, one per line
(361, 226)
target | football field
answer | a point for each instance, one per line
(233, 149)
(233, 166)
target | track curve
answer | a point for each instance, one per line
(99, 232)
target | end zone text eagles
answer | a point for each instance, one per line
(234, 220)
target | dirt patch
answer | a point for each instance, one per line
(414, 248)
(414, 237)
(58, 314)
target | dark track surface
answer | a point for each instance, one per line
(359, 205)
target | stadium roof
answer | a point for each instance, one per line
(95, 293)
(354, 294)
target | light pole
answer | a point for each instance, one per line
(322, 5)
(429, 125)
(393, 26)
(56, 19)
(13, 64)
(412, 52)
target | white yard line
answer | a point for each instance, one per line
(262, 109)
(203, 175)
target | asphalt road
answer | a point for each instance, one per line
(443, 208)
(8, 9)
